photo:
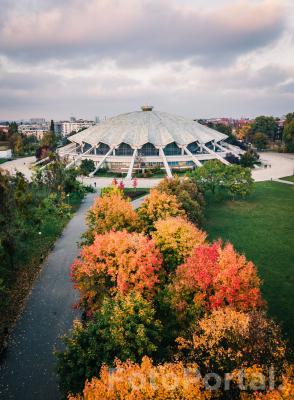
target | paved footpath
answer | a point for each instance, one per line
(27, 371)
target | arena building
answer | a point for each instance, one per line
(147, 139)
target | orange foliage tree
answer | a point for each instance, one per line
(176, 237)
(216, 276)
(145, 382)
(116, 262)
(158, 206)
(227, 339)
(110, 212)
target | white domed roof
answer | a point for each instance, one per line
(147, 126)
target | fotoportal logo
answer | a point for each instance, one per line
(240, 379)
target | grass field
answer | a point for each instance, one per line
(262, 227)
(288, 178)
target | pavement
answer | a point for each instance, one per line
(27, 371)
(22, 165)
(280, 165)
(283, 181)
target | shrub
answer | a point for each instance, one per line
(110, 212)
(227, 339)
(214, 277)
(249, 158)
(188, 195)
(125, 328)
(86, 167)
(158, 206)
(116, 262)
(176, 237)
(132, 381)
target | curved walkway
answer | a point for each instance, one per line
(27, 371)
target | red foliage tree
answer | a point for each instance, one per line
(117, 262)
(216, 276)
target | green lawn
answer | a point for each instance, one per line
(262, 227)
(288, 178)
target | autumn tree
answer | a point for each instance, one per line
(110, 212)
(117, 262)
(188, 195)
(215, 276)
(176, 237)
(125, 328)
(158, 206)
(145, 381)
(245, 133)
(228, 339)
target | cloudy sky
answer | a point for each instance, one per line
(197, 58)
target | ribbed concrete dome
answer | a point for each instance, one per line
(147, 126)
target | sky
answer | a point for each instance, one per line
(196, 58)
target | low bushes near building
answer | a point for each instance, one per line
(86, 167)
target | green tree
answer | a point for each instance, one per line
(210, 175)
(289, 117)
(13, 128)
(227, 130)
(86, 167)
(52, 126)
(125, 328)
(266, 125)
(288, 135)
(49, 139)
(188, 195)
(238, 181)
(260, 140)
(57, 178)
(18, 146)
(15, 201)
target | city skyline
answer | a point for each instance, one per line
(229, 59)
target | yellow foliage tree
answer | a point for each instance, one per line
(227, 339)
(131, 381)
(158, 206)
(111, 212)
(176, 237)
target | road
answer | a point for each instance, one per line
(27, 371)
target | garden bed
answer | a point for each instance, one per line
(135, 193)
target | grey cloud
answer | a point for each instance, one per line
(139, 32)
